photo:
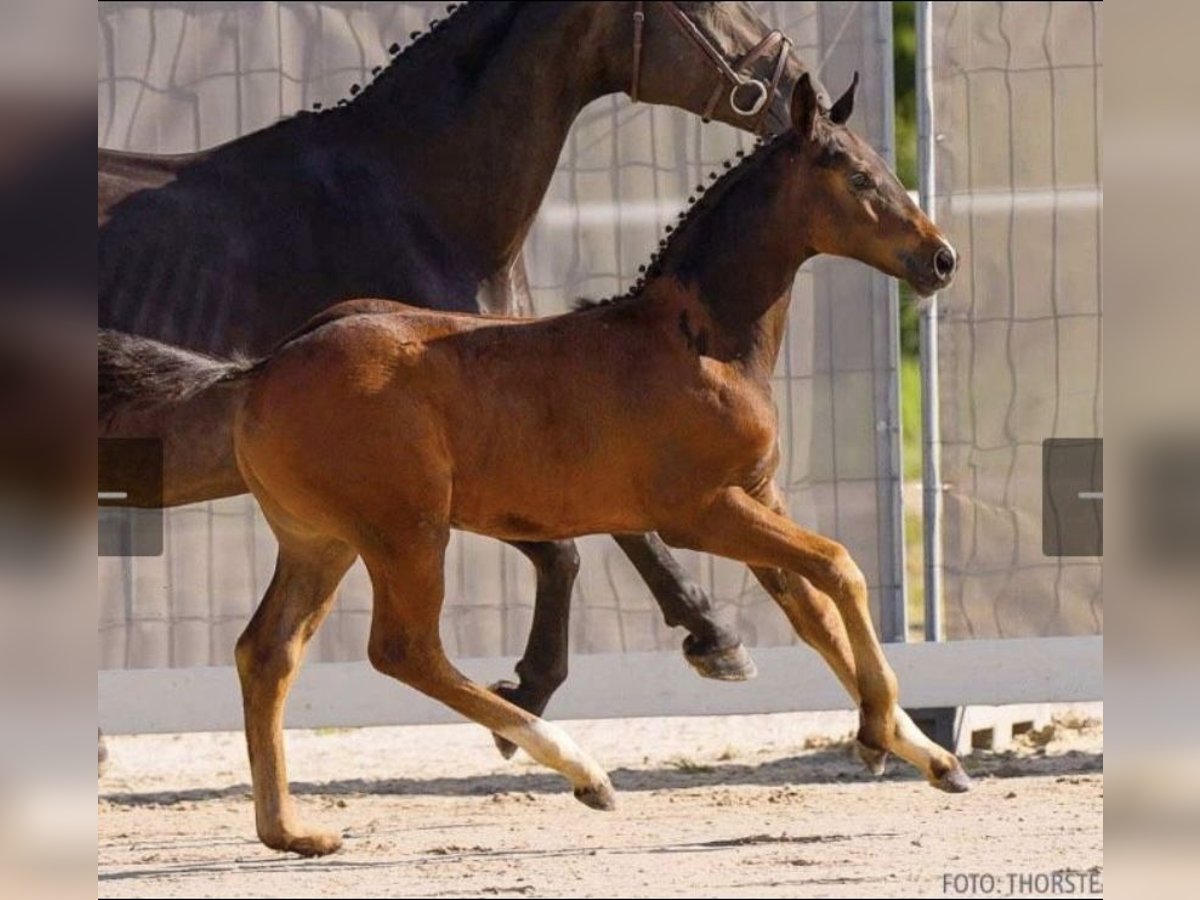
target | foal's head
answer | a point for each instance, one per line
(852, 204)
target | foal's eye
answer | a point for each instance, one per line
(861, 181)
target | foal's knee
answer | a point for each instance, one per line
(257, 657)
(848, 587)
(846, 578)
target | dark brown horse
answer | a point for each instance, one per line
(371, 435)
(232, 248)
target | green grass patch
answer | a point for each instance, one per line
(910, 433)
(914, 565)
(910, 416)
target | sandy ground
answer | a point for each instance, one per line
(737, 806)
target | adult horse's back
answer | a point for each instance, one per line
(424, 186)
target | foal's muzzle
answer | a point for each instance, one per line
(944, 263)
(930, 269)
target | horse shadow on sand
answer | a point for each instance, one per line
(832, 765)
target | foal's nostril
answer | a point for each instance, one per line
(943, 263)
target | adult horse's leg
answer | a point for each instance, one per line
(738, 526)
(407, 576)
(268, 656)
(506, 292)
(543, 667)
(712, 647)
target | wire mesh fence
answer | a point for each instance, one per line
(1017, 99)
(178, 77)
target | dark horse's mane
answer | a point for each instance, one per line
(419, 44)
(702, 199)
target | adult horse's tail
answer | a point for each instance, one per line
(187, 400)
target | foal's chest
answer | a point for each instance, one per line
(732, 415)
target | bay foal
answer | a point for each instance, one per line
(373, 434)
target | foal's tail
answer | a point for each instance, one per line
(147, 389)
(136, 374)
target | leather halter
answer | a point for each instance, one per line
(731, 77)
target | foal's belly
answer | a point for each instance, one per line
(541, 470)
(538, 486)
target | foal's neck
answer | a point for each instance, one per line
(739, 258)
(490, 96)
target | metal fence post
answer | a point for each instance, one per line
(931, 438)
(894, 610)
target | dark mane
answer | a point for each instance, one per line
(702, 199)
(420, 44)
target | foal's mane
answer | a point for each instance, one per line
(703, 199)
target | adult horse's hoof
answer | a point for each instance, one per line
(600, 796)
(874, 760)
(731, 664)
(955, 781)
(508, 691)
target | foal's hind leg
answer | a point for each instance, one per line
(405, 643)
(268, 656)
(543, 667)
(738, 526)
(712, 647)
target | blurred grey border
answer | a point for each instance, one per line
(47, 440)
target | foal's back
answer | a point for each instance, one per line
(514, 428)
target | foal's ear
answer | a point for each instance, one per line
(840, 111)
(804, 107)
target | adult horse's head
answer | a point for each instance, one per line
(852, 204)
(718, 60)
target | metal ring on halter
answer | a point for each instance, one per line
(759, 102)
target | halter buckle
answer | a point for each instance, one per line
(756, 105)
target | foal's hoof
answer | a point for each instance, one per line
(874, 760)
(508, 691)
(730, 664)
(600, 796)
(316, 843)
(954, 781)
(506, 747)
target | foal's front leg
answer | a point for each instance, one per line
(816, 619)
(736, 525)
